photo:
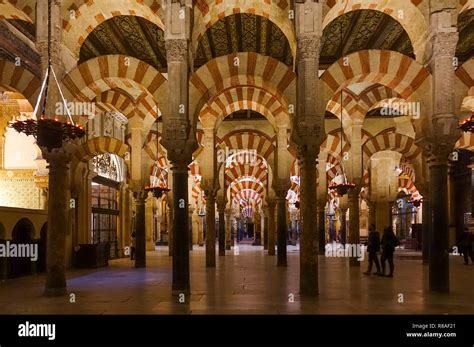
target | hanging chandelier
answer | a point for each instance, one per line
(468, 124)
(343, 187)
(48, 131)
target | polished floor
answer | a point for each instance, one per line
(247, 283)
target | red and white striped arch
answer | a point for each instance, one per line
(252, 70)
(244, 98)
(249, 139)
(406, 13)
(80, 18)
(236, 170)
(98, 75)
(248, 194)
(390, 141)
(208, 12)
(18, 79)
(101, 145)
(396, 71)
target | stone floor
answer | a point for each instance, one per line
(248, 283)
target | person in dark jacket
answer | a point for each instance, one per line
(466, 245)
(389, 242)
(373, 247)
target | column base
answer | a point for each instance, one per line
(54, 292)
(140, 265)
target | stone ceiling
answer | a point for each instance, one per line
(363, 30)
(243, 33)
(127, 35)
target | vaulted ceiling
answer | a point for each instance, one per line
(363, 29)
(127, 35)
(243, 33)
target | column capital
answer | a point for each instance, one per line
(62, 155)
(177, 50)
(438, 153)
(271, 203)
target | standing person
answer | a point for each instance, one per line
(132, 246)
(465, 245)
(373, 247)
(389, 242)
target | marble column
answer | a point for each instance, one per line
(354, 222)
(221, 234)
(343, 230)
(281, 226)
(210, 229)
(309, 235)
(257, 227)
(140, 198)
(271, 225)
(58, 165)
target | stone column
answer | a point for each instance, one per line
(210, 228)
(228, 229)
(181, 282)
(439, 240)
(221, 235)
(170, 216)
(426, 229)
(354, 230)
(343, 230)
(257, 226)
(444, 134)
(58, 164)
(140, 197)
(271, 225)
(281, 225)
(265, 229)
(309, 236)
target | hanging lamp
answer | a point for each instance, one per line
(157, 187)
(49, 131)
(342, 188)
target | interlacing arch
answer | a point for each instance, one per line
(101, 145)
(241, 69)
(396, 71)
(406, 13)
(244, 97)
(236, 170)
(80, 21)
(144, 84)
(208, 12)
(394, 142)
(246, 183)
(248, 139)
(18, 79)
